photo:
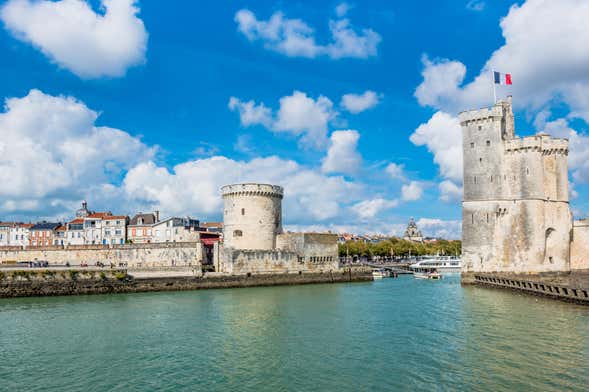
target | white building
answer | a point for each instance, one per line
(14, 233)
(114, 229)
(175, 230)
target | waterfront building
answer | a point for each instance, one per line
(516, 216)
(175, 230)
(75, 233)
(254, 241)
(60, 236)
(114, 229)
(139, 230)
(412, 233)
(5, 233)
(43, 234)
(212, 227)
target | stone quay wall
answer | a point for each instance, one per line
(580, 245)
(130, 255)
(80, 282)
(566, 286)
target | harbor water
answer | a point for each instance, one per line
(393, 334)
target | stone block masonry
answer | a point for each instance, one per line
(516, 218)
(129, 256)
(75, 282)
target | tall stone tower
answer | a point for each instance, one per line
(515, 215)
(252, 215)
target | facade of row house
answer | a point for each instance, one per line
(14, 233)
(43, 234)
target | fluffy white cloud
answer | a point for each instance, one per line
(71, 34)
(298, 114)
(546, 60)
(442, 136)
(449, 229)
(342, 155)
(51, 150)
(342, 9)
(295, 38)
(309, 196)
(250, 113)
(356, 103)
(412, 191)
(450, 192)
(395, 171)
(368, 209)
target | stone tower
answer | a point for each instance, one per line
(252, 215)
(515, 215)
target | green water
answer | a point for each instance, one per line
(394, 334)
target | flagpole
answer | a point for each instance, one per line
(494, 87)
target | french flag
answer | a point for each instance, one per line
(503, 79)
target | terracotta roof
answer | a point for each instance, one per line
(211, 224)
(112, 217)
(100, 215)
(77, 220)
(61, 228)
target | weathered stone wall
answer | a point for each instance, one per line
(118, 283)
(580, 245)
(131, 255)
(516, 216)
(252, 215)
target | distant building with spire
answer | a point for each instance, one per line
(412, 233)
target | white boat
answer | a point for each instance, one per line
(378, 274)
(432, 274)
(442, 264)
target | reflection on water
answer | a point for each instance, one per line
(394, 334)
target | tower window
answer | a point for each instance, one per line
(481, 160)
(488, 143)
(237, 233)
(480, 127)
(528, 171)
(471, 145)
(491, 178)
(472, 218)
(475, 179)
(243, 211)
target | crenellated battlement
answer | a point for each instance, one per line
(480, 115)
(542, 143)
(253, 189)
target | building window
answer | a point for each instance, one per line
(488, 143)
(237, 233)
(243, 211)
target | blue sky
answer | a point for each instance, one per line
(143, 105)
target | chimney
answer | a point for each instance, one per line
(157, 216)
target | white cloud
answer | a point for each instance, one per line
(450, 192)
(51, 151)
(250, 113)
(476, 5)
(342, 9)
(356, 103)
(71, 34)
(548, 62)
(395, 171)
(448, 229)
(442, 136)
(309, 196)
(298, 114)
(342, 155)
(295, 38)
(368, 209)
(412, 191)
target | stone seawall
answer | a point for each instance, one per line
(116, 282)
(567, 286)
(129, 255)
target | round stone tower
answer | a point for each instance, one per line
(252, 215)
